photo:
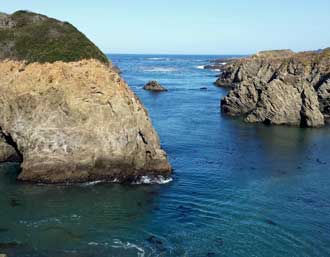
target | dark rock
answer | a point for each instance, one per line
(279, 87)
(154, 86)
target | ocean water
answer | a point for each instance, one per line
(238, 189)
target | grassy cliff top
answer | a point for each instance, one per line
(37, 38)
(275, 53)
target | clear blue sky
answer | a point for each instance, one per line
(192, 26)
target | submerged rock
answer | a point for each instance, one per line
(154, 86)
(279, 88)
(73, 121)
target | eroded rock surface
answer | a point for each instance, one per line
(75, 122)
(279, 87)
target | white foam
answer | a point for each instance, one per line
(201, 67)
(157, 59)
(93, 243)
(159, 69)
(119, 244)
(148, 180)
(92, 183)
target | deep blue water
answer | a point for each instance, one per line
(238, 189)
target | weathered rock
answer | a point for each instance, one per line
(76, 122)
(324, 98)
(154, 86)
(273, 106)
(240, 101)
(72, 120)
(279, 88)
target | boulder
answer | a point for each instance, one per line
(154, 86)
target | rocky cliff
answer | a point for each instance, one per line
(279, 87)
(72, 120)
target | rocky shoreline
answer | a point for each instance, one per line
(279, 87)
(71, 120)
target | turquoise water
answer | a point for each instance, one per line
(238, 189)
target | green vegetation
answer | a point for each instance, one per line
(37, 38)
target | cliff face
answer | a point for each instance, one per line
(74, 122)
(279, 87)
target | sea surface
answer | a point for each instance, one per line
(238, 190)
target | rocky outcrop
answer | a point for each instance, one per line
(154, 86)
(73, 121)
(280, 88)
(76, 122)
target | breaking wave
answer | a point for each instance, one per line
(158, 59)
(127, 245)
(121, 245)
(147, 180)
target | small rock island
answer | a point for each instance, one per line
(66, 114)
(279, 87)
(154, 86)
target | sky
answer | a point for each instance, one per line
(191, 26)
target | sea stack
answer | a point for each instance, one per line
(154, 86)
(66, 112)
(279, 87)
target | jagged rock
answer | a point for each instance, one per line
(240, 101)
(279, 88)
(72, 120)
(324, 98)
(154, 86)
